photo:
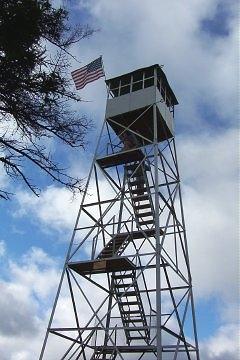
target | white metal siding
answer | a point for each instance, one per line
(132, 101)
(137, 100)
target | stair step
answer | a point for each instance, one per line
(133, 166)
(140, 190)
(140, 180)
(141, 215)
(129, 312)
(140, 197)
(137, 338)
(118, 286)
(136, 328)
(143, 206)
(127, 293)
(107, 250)
(122, 276)
(133, 320)
(112, 246)
(147, 222)
(117, 241)
(110, 250)
(130, 303)
(136, 234)
(104, 256)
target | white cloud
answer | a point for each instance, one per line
(25, 298)
(224, 345)
(208, 165)
(55, 208)
(138, 34)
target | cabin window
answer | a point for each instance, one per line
(114, 87)
(137, 85)
(137, 76)
(126, 80)
(125, 90)
(149, 73)
(148, 82)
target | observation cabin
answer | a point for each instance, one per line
(131, 99)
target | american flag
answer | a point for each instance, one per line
(88, 73)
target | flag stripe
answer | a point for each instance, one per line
(80, 86)
(79, 72)
(79, 81)
(82, 69)
(88, 73)
(88, 80)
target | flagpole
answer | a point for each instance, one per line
(104, 75)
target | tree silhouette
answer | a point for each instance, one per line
(35, 91)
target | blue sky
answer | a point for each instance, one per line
(196, 41)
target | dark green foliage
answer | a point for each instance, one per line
(35, 96)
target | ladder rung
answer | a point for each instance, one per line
(137, 337)
(135, 328)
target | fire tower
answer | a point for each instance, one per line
(126, 287)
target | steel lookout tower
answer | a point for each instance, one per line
(126, 287)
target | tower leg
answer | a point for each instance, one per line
(158, 246)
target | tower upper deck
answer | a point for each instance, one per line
(132, 96)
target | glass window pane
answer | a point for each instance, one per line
(115, 92)
(149, 73)
(149, 82)
(125, 80)
(138, 75)
(125, 90)
(114, 83)
(137, 86)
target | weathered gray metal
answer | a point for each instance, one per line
(129, 242)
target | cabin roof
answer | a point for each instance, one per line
(160, 73)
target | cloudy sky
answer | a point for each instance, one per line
(196, 40)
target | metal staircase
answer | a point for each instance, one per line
(125, 284)
(140, 194)
(130, 306)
